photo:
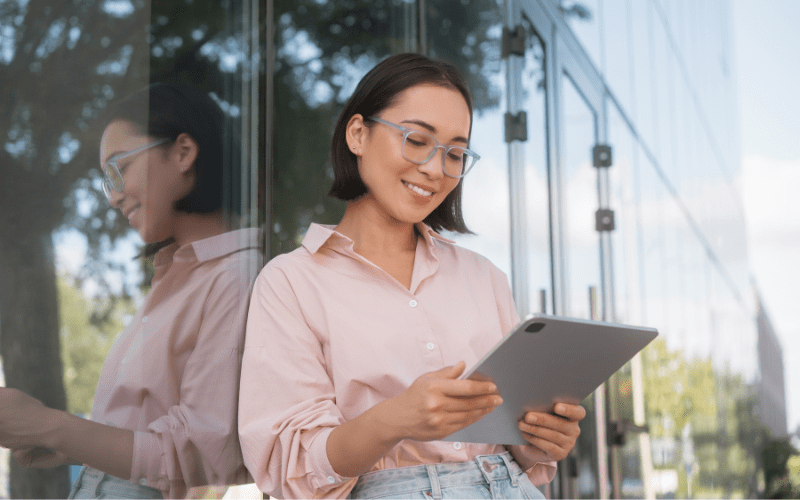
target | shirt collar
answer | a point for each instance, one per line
(318, 235)
(210, 248)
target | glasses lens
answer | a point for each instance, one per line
(113, 179)
(418, 147)
(459, 161)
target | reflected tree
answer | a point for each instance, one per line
(61, 63)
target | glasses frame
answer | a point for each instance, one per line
(447, 148)
(108, 183)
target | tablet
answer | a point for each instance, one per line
(545, 360)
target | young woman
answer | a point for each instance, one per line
(164, 414)
(355, 340)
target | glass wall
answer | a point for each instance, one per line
(73, 274)
(280, 72)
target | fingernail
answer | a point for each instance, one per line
(492, 388)
(532, 419)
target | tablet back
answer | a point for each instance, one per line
(547, 359)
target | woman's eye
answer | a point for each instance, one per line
(415, 142)
(456, 156)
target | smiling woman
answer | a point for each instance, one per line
(164, 415)
(363, 332)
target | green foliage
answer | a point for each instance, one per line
(86, 338)
(709, 414)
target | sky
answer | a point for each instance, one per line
(766, 39)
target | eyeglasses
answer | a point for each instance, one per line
(419, 147)
(113, 180)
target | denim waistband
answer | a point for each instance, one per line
(98, 484)
(483, 469)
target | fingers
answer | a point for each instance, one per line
(451, 372)
(571, 412)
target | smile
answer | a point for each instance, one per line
(418, 189)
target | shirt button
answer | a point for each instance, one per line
(144, 319)
(457, 446)
(430, 346)
(331, 479)
(143, 482)
(413, 303)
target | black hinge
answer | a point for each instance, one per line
(601, 155)
(604, 220)
(513, 42)
(516, 127)
(617, 431)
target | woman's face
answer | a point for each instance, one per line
(152, 181)
(404, 191)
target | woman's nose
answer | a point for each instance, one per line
(434, 168)
(115, 198)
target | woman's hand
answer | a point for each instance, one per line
(22, 420)
(554, 434)
(40, 458)
(438, 404)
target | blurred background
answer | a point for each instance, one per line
(640, 164)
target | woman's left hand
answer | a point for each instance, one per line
(22, 419)
(553, 434)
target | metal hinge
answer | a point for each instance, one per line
(601, 155)
(516, 127)
(513, 42)
(604, 220)
(618, 430)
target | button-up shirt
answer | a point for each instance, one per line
(172, 376)
(330, 335)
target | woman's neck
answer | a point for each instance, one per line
(373, 233)
(192, 227)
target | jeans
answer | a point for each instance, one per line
(486, 476)
(92, 483)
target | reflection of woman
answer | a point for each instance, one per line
(164, 414)
(356, 339)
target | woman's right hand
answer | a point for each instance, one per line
(438, 404)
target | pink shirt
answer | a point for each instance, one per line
(329, 335)
(172, 376)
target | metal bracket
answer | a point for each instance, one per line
(516, 127)
(604, 220)
(601, 155)
(618, 430)
(513, 42)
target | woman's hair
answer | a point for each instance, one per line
(378, 90)
(166, 110)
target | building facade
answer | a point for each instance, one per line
(608, 185)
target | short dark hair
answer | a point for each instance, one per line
(377, 91)
(166, 110)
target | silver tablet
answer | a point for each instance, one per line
(545, 360)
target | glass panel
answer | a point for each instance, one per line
(72, 275)
(470, 39)
(581, 248)
(322, 49)
(536, 178)
(584, 18)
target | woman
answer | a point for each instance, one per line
(355, 340)
(164, 413)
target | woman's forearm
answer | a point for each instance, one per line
(355, 446)
(103, 447)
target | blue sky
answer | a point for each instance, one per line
(766, 40)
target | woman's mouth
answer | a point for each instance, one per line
(418, 189)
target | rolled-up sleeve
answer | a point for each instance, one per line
(196, 441)
(531, 459)
(287, 404)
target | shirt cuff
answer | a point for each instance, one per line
(324, 475)
(146, 462)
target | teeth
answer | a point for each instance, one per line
(418, 189)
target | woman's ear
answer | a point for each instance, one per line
(185, 151)
(356, 134)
